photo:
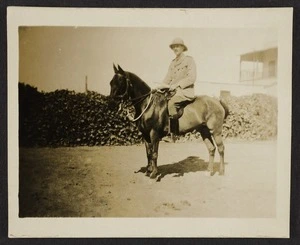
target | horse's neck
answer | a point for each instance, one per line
(139, 87)
(138, 90)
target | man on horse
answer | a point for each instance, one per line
(180, 81)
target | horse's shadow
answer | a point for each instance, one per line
(178, 169)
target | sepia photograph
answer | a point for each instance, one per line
(157, 122)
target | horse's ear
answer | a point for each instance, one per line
(115, 68)
(121, 70)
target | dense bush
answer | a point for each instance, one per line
(251, 117)
(66, 118)
(30, 109)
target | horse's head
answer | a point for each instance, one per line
(119, 85)
(127, 87)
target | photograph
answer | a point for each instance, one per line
(149, 122)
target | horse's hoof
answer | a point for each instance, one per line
(147, 173)
(221, 172)
(153, 175)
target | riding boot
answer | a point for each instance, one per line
(174, 125)
(173, 130)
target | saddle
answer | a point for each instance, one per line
(179, 106)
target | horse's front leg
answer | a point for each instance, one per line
(155, 143)
(149, 156)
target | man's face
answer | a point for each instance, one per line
(178, 49)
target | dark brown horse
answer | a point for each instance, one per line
(205, 115)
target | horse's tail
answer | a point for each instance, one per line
(225, 108)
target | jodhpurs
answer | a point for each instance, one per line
(173, 104)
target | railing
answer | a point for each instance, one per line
(247, 75)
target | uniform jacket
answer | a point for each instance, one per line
(182, 71)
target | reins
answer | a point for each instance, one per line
(137, 100)
(142, 113)
(140, 98)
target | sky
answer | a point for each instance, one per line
(53, 58)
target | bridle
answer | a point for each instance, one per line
(128, 84)
(134, 101)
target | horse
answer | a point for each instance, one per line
(205, 114)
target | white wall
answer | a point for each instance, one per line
(236, 89)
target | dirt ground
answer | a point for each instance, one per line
(101, 182)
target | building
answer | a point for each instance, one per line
(254, 72)
(259, 68)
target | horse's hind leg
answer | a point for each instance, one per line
(207, 138)
(219, 142)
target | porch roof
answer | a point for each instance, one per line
(255, 55)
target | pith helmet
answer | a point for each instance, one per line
(178, 41)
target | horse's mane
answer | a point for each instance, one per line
(158, 98)
(138, 81)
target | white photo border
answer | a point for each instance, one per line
(280, 18)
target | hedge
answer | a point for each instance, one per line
(251, 117)
(66, 118)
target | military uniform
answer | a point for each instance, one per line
(182, 72)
